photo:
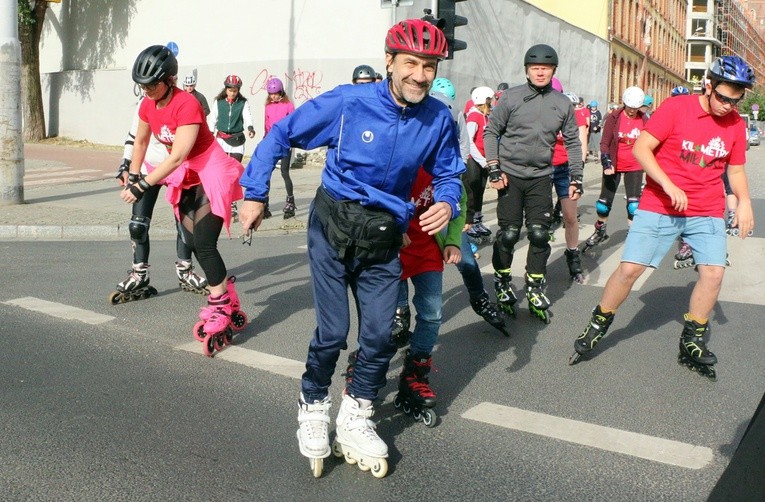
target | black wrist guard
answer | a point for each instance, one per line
(138, 189)
(251, 129)
(134, 178)
(576, 181)
(605, 161)
(125, 166)
(495, 173)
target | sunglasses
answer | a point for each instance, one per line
(149, 87)
(726, 100)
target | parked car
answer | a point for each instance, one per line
(754, 136)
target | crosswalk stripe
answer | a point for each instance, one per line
(643, 446)
(56, 172)
(253, 359)
(59, 310)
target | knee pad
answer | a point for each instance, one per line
(539, 234)
(602, 207)
(139, 228)
(507, 237)
(632, 205)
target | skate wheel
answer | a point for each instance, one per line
(228, 337)
(199, 331)
(208, 345)
(150, 291)
(349, 459)
(397, 402)
(407, 409)
(337, 450)
(429, 418)
(380, 468)
(218, 342)
(417, 416)
(115, 298)
(363, 466)
(238, 320)
(317, 466)
(574, 358)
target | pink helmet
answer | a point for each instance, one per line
(233, 81)
(557, 85)
(274, 85)
(416, 36)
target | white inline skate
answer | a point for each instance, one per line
(356, 438)
(313, 434)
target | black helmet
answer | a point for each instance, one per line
(541, 54)
(503, 86)
(154, 64)
(363, 71)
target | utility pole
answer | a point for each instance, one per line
(11, 142)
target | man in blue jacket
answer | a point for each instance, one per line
(377, 136)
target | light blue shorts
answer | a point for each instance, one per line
(652, 235)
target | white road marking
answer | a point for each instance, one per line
(60, 310)
(253, 359)
(47, 173)
(651, 448)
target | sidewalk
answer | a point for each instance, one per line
(70, 194)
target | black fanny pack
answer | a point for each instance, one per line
(354, 231)
(236, 139)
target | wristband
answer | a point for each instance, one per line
(577, 183)
(495, 173)
(124, 166)
(134, 178)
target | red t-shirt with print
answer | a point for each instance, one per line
(183, 109)
(480, 120)
(695, 147)
(629, 130)
(424, 253)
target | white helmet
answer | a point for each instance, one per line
(481, 94)
(190, 80)
(633, 97)
(572, 97)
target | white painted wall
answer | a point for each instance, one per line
(313, 45)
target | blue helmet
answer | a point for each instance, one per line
(732, 69)
(593, 104)
(444, 86)
(679, 91)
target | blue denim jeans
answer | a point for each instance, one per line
(469, 269)
(427, 301)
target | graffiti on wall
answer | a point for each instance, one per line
(305, 84)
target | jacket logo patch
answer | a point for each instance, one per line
(367, 136)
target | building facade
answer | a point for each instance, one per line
(647, 46)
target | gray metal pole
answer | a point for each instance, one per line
(11, 139)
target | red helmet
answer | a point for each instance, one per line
(233, 81)
(416, 36)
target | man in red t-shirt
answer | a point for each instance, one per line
(684, 148)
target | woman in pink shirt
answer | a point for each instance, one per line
(278, 106)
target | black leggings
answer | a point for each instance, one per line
(633, 180)
(144, 208)
(475, 178)
(285, 169)
(201, 229)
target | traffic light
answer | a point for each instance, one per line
(447, 12)
(430, 18)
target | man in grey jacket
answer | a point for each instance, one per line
(519, 142)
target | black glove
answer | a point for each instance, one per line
(138, 189)
(576, 181)
(125, 166)
(605, 161)
(134, 178)
(495, 173)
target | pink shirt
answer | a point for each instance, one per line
(275, 112)
(695, 147)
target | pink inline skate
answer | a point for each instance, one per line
(219, 320)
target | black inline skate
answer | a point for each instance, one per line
(557, 221)
(189, 280)
(415, 396)
(684, 256)
(595, 330)
(478, 233)
(597, 237)
(535, 294)
(289, 207)
(486, 309)
(730, 229)
(234, 213)
(503, 287)
(693, 351)
(400, 333)
(574, 262)
(135, 287)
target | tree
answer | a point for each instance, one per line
(31, 20)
